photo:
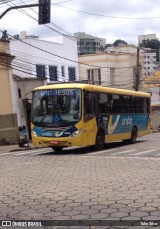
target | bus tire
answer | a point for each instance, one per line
(100, 140)
(133, 138)
(57, 149)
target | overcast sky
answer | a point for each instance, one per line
(120, 19)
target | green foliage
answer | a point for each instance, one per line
(119, 42)
(153, 44)
(108, 45)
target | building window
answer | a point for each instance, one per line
(103, 103)
(112, 72)
(94, 76)
(99, 76)
(72, 74)
(62, 70)
(41, 72)
(19, 93)
(53, 73)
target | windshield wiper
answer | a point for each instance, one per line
(44, 118)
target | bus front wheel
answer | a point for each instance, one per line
(58, 149)
(100, 138)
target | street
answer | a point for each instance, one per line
(121, 182)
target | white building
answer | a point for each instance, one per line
(115, 67)
(146, 37)
(54, 58)
(87, 44)
(149, 61)
(39, 61)
(149, 54)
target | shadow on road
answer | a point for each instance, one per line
(87, 150)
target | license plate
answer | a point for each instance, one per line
(54, 142)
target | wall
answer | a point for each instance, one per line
(55, 48)
(155, 117)
(8, 118)
(122, 60)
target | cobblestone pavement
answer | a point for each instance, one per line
(80, 187)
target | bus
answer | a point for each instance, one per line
(77, 114)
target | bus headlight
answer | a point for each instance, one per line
(75, 133)
(34, 133)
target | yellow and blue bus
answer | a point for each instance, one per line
(77, 114)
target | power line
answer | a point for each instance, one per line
(53, 54)
(107, 16)
(69, 36)
(60, 79)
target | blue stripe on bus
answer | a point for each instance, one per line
(126, 122)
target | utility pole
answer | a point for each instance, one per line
(137, 72)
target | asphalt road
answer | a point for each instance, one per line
(119, 184)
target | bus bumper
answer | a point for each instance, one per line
(52, 142)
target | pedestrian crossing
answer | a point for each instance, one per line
(113, 152)
(129, 153)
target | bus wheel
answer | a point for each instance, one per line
(99, 140)
(58, 149)
(133, 135)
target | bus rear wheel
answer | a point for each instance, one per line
(57, 149)
(100, 138)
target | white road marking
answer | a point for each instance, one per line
(135, 158)
(31, 151)
(23, 152)
(143, 152)
(103, 151)
(3, 154)
(125, 151)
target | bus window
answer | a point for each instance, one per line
(103, 103)
(126, 104)
(117, 104)
(89, 106)
(145, 106)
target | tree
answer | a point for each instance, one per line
(108, 45)
(153, 44)
(119, 42)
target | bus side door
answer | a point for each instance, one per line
(89, 119)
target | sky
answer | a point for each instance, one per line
(110, 19)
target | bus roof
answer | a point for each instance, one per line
(91, 87)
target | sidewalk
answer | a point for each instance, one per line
(13, 148)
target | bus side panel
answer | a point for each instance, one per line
(120, 126)
(89, 132)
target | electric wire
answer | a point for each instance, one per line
(108, 16)
(74, 61)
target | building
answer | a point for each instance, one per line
(152, 85)
(149, 61)
(87, 44)
(8, 117)
(115, 67)
(146, 37)
(150, 55)
(54, 58)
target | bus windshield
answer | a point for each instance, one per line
(56, 106)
